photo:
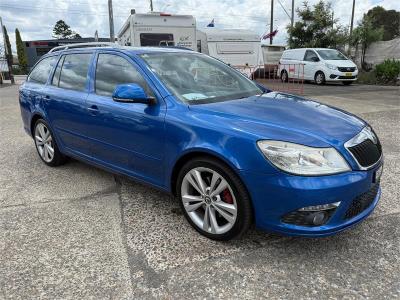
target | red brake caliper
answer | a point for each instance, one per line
(227, 197)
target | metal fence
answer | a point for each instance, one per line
(282, 77)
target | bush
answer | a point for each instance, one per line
(388, 71)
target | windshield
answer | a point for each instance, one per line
(331, 55)
(197, 79)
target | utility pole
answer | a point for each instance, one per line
(352, 18)
(271, 25)
(292, 18)
(151, 5)
(111, 21)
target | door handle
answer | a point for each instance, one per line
(93, 109)
(46, 98)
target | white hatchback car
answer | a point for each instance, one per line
(317, 64)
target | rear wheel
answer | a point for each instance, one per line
(347, 82)
(284, 76)
(213, 199)
(319, 78)
(46, 145)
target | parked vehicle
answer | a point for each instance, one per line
(231, 151)
(235, 47)
(158, 29)
(272, 55)
(320, 65)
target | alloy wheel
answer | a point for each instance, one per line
(209, 200)
(44, 142)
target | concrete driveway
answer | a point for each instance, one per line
(79, 232)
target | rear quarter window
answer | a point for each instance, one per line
(42, 70)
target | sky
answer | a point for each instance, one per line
(36, 19)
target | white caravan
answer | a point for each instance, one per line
(158, 29)
(236, 47)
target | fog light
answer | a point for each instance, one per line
(315, 215)
(317, 218)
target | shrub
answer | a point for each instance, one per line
(388, 71)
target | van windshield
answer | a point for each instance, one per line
(331, 55)
(197, 79)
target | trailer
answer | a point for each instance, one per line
(158, 29)
(236, 47)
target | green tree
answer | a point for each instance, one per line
(389, 20)
(9, 56)
(22, 58)
(316, 28)
(63, 31)
(365, 34)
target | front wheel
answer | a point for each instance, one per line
(319, 78)
(213, 199)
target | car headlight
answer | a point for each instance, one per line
(332, 67)
(303, 160)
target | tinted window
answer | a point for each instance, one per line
(156, 39)
(42, 70)
(310, 55)
(74, 71)
(112, 70)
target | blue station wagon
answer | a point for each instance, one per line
(233, 152)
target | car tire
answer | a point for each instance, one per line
(284, 76)
(347, 82)
(46, 145)
(319, 78)
(218, 213)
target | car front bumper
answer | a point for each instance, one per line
(276, 195)
(335, 75)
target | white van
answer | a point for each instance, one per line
(319, 65)
(158, 29)
(235, 47)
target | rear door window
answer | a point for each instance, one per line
(112, 70)
(42, 70)
(74, 69)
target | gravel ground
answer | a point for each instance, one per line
(79, 232)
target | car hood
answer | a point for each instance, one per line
(341, 63)
(282, 116)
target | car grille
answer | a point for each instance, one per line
(362, 202)
(346, 69)
(366, 153)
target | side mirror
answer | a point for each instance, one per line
(131, 93)
(315, 59)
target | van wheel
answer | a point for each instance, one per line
(284, 76)
(319, 78)
(46, 145)
(213, 199)
(347, 82)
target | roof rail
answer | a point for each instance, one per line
(82, 45)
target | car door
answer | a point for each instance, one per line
(64, 101)
(33, 89)
(311, 63)
(126, 136)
